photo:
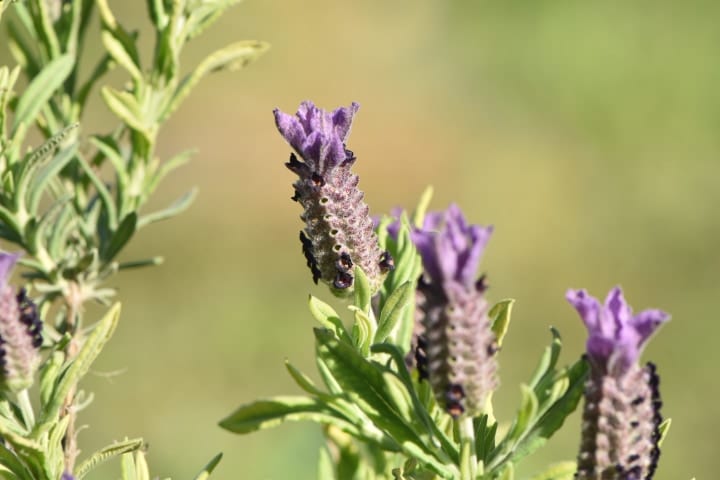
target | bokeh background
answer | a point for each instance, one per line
(586, 132)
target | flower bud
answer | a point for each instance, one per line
(338, 231)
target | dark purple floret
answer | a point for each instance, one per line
(339, 232)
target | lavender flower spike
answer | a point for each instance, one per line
(622, 401)
(455, 346)
(338, 231)
(20, 332)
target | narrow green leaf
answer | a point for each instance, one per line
(120, 237)
(422, 206)
(263, 414)
(303, 381)
(500, 316)
(41, 89)
(363, 294)
(127, 109)
(118, 52)
(398, 301)
(45, 29)
(142, 472)
(664, 428)
(127, 466)
(168, 167)
(103, 193)
(232, 57)
(327, 317)
(48, 376)
(204, 474)
(94, 343)
(508, 473)
(526, 413)
(105, 454)
(363, 331)
(10, 461)
(39, 184)
(150, 262)
(177, 207)
(158, 14)
(325, 469)
(548, 361)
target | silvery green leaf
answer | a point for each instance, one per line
(508, 473)
(158, 14)
(548, 361)
(168, 167)
(263, 414)
(118, 53)
(149, 262)
(232, 57)
(362, 290)
(363, 331)
(208, 469)
(303, 381)
(203, 13)
(558, 471)
(48, 376)
(47, 36)
(484, 437)
(500, 317)
(41, 89)
(133, 466)
(13, 467)
(127, 109)
(45, 175)
(120, 237)
(111, 451)
(526, 413)
(23, 43)
(103, 193)
(393, 308)
(54, 448)
(79, 366)
(177, 207)
(328, 318)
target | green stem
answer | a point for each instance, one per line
(26, 408)
(468, 458)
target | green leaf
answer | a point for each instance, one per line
(328, 318)
(325, 469)
(101, 333)
(232, 57)
(47, 174)
(508, 473)
(263, 414)
(10, 461)
(500, 316)
(111, 451)
(208, 469)
(177, 207)
(663, 429)
(120, 237)
(363, 331)
(422, 206)
(41, 89)
(302, 380)
(127, 109)
(363, 294)
(528, 410)
(395, 305)
(48, 376)
(118, 52)
(558, 471)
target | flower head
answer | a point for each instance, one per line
(20, 331)
(454, 344)
(621, 418)
(616, 336)
(338, 232)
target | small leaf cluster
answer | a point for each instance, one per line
(381, 420)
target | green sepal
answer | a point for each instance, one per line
(204, 474)
(78, 367)
(40, 90)
(107, 453)
(558, 471)
(500, 317)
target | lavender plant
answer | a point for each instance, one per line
(408, 378)
(73, 203)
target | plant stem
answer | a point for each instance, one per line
(468, 458)
(73, 303)
(26, 409)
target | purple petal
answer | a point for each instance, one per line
(587, 306)
(291, 129)
(342, 120)
(646, 322)
(7, 263)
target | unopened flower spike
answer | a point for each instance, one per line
(338, 232)
(20, 332)
(621, 418)
(456, 347)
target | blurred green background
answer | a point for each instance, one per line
(586, 132)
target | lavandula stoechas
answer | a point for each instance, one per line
(338, 231)
(622, 402)
(456, 347)
(20, 332)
